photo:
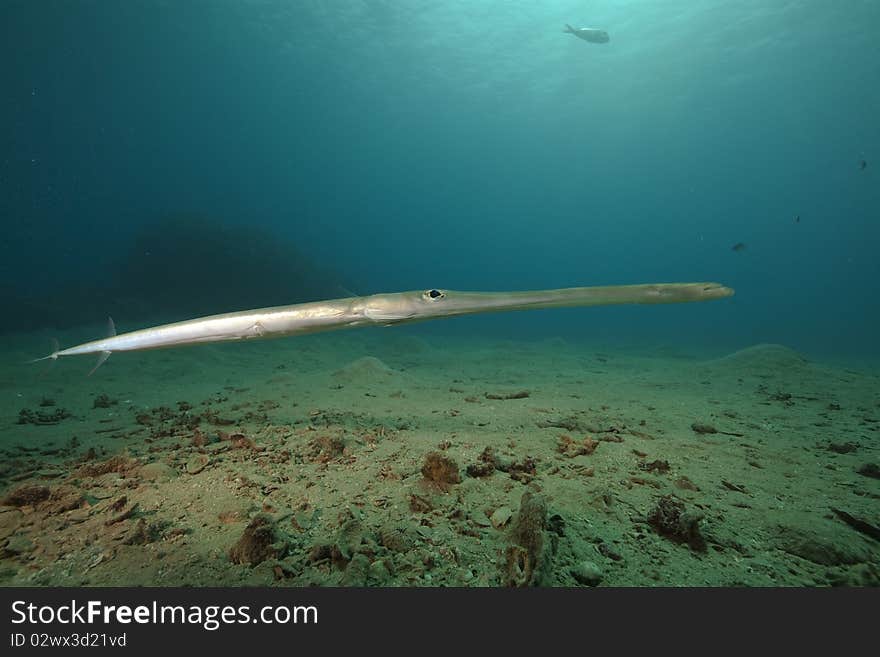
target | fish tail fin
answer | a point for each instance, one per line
(52, 356)
(568, 29)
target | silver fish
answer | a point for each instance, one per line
(379, 310)
(588, 34)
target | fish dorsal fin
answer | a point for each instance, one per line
(111, 327)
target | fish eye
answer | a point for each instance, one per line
(433, 295)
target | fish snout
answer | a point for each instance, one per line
(715, 291)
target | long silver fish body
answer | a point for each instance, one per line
(381, 310)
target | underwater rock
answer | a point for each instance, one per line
(198, 438)
(556, 524)
(419, 504)
(587, 573)
(865, 574)
(500, 517)
(870, 470)
(661, 467)
(27, 495)
(103, 401)
(256, 543)
(237, 511)
(607, 551)
(671, 520)
(519, 394)
(365, 370)
(736, 488)
(10, 521)
(64, 498)
(240, 441)
(27, 416)
(485, 466)
(699, 427)
(349, 537)
(18, 544)
(396, 539)
(569, 447)
(859, 524)
(480, 469)
(118, 464)
(523, 471)
(322, 552)
(528, 557)
(357, 571)
(686, 484)
(196, 463)
(822, 547)
(842, 448)
(440, 469)
(759, 359)
(157, 471)
(352, 542)
(125, 515)
(569, 423)
(325, 448)
(481, 519)
(702, 428)
(141, 533)
(379, 573)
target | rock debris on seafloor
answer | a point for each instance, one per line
(256, 542)
(529, 553)
(316, 479)
(670, 519)
(440, 469)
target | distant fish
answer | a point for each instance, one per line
(739, 246)
(797, 219)
(863, 164)
(588, 34)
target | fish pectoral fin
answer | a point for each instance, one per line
(103, 356)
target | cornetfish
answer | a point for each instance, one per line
(380, 310)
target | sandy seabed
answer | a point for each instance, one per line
(385, 459)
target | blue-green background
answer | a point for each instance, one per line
(467, 144)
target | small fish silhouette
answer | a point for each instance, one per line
(739, 246)
(863, 164)
(797, 219)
